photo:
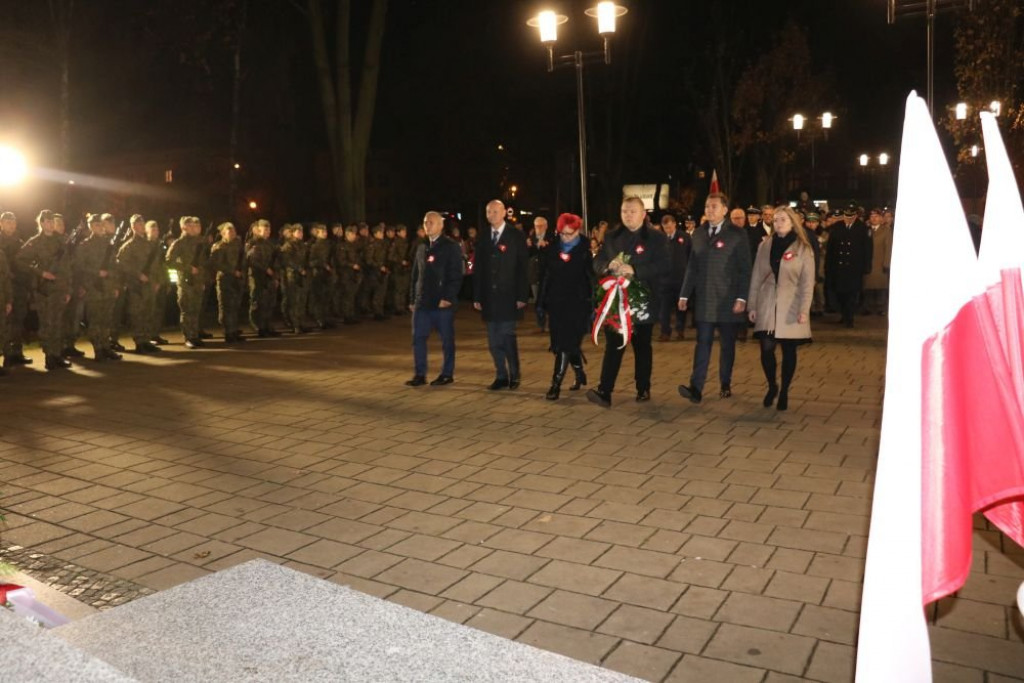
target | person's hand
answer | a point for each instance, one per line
(195, 271)
(682, 305)
(614, 266)
(542, 244)
(67, 298)
(7, 309)
(412, 308)
(444, 303)
(238, 273)
(626, 270)
(477, 306)
(802, 318)
(47, 275)
(356, 266)
(270, 272)
(520, 304)
(143, 278)
(739, 306)
(104, 273)
(752, 315)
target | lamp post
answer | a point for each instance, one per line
(865, 162)
(799, 123)
(547, 23)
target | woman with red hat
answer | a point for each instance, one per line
(565, 293)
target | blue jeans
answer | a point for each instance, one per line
(423, 323)
(702, 356)
(501, 340)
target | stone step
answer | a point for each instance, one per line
(32, 654)
(262, 621)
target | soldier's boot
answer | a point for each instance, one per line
(57, 363)
(111, 354)
(99, 353)
(561, 366)
(580, 375)
(71, 352)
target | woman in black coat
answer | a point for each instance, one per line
(565, 294)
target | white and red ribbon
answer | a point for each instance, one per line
(614, 289)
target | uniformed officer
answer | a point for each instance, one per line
(401, 271)
(227, 261)
(96, 271)
(43, 258)
(262, 259)
(162, 280)
(847, 262)
(321, 274)
(187, 255)
(350, 273)
(10, 243)
(295, 265)
(376, 273)
(139, 262)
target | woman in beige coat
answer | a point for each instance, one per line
(779, 304)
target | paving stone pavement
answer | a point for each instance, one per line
(669, 541)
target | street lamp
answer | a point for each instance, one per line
(547, 23)
(253, 205)
(864, 159)
(995, 107)
(961, 111)
(799, 122)
(883, 159)
(13, 167)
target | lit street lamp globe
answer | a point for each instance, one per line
(13, 167)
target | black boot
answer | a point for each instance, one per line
(561, 366)
(577, 367)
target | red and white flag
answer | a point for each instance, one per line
(714, 182)
(952, 440)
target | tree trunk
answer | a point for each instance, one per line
(61, 11)
(236, 107)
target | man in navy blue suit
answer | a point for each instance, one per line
(433, 293)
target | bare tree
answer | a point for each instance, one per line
(62, 13)
(348, 121)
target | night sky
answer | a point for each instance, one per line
(458, 78)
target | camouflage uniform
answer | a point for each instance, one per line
(401, 271)
(6, 299)
(261, 254)
(295, 292)
(321, 280)
(226, 259)
(136, 257)
(349, 279)
(94, 255)
(46, 253)
(376, 275)
(185, 253)
(20, 286)
(162, 278)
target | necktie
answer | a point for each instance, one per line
(494, 237)
(711, 231)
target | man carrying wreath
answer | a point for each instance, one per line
(633, 262)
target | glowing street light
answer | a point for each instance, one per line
(237, 166)
(826, 120)
(798, 121)
(995, 107)
(864, 159)
(974, 150)
(13, 167)
(883, 159)
(961, 111)
(253, 205)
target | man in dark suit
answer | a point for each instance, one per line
(679, 244)
(433, 293)
(847, 261)
(647, 251)
(718, 278)
(500, 291)
(754, 229)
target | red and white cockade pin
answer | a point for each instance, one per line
(564, 256)
(502, 248)
(430, 259)
(639, 248)
(719, 244)
(679, 239)
(788, 255)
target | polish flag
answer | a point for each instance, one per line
(952, 440)
(714, 182)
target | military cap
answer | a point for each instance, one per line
(689, 219)
(753, 209)
(812, 216)
(850, 209)
(45, 215)
(351, 227)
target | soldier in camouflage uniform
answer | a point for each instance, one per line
(139, 262)
(10, 243)
(187, 255)
(401, 270)
(261, 257)
(6, 297)
(95, 271)
(162, 280)
(337, 237)
(227, 260)
(321, 276)
(350, 273)
(73, 319)
(43, 258)
(363, 296)
(376, 272)
(120, 306)
(295, 268)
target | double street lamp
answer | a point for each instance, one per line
(799, 122)
(547, 23)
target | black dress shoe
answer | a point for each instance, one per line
(601, 398)
(160, 340)
(194, 344)
(499, 384)
(238, 338)
(726, 392)
(690, 392)
(773, 391)
(416, 381)
(513, 384)
(643, 395)
(111, 354)
(116, 346)
(783, 403)
(57, 363)
(442, 380)
(205, 335)
(72, 352)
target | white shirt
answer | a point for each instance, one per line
(500, 229)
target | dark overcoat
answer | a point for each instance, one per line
(718, 274)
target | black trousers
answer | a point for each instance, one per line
(702, 355)
(847, 305)
(643, 357)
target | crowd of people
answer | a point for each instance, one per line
(768, 267)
